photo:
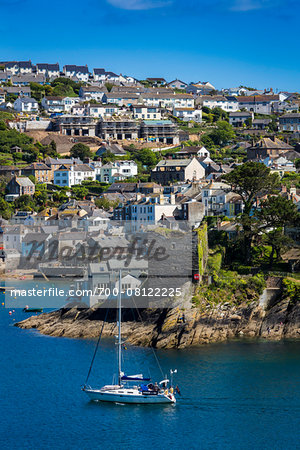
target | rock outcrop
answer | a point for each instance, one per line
(176, 327)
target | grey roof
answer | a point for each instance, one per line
(99, 71)
(37, 166)
(240, 114)
(121, 95)
(17, 89)
(48, 66)
(27, 78)
(93, 89)
(28, 100)
(39, 237)
(116, 149)
(25, 64)
(74, 68)
(24, 181)
(72, 236)
(290, 116)
(174, 163)
(262, 121)
(62, 161)
(83, 168)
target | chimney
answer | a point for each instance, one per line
(283, 188)
(161, 199)
(172, 199)
(138, 196)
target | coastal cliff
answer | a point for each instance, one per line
(177, 327)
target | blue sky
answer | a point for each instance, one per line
(226, 42)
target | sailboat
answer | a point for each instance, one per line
(130, 388)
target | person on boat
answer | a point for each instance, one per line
(156, 388)
(171, 390)
(177, 390)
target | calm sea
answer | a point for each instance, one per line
(238, 395)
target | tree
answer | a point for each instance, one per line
(297, 163)
(5, 209)
(109, 86)
(24, 203)
(81, 151)
(277, 212)
(222, 134)
(108, 156)
(147, 157)
(80, 192)
(250, 180)
(277, 240)
(103, 203)
(248, 122)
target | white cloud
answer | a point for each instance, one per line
(139, 4)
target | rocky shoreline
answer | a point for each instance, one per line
(176, 327)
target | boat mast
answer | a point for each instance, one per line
(119, 325)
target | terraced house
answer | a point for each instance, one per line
(169, 170)
(79, 72)
(39, 170)
(289, 122)
(72, 175)
(49, 70)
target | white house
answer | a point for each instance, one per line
(218, 101)
(91, 93)
(18, 67)
(102, 110)
(149, 210)
(188, 114)
(26, 105)
(80, 72)
(200, 88)
(146, 112)
(49, 70)
(2, 95)
(177, 84)
(238, 118)
(53, 104)
(260, 104)
(102, 75)
(120, 98)
(168, 100)
(117, 170)
(72, 175)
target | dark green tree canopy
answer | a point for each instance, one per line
(250, 180)
(278, 211)
(81, 151)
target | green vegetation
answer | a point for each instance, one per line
(291, 179)
(103, 203)
(214, 115)
(229, 287)
(291, 289)
(202, 246)
(219, 136)
(65, 87)
(249, 181)
(81, 151)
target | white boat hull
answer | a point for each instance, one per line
(128, 396)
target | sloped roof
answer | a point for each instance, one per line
(274, 143)
(24, 181)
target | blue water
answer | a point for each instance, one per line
(238, 395)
